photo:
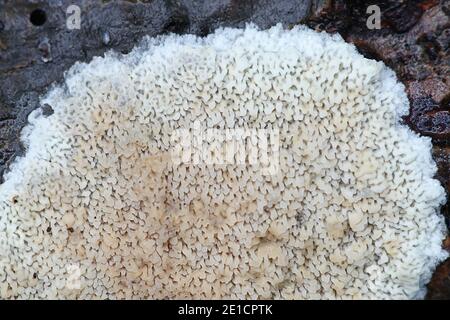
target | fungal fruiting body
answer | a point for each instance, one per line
(98, 208)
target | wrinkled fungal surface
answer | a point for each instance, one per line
(98, 206)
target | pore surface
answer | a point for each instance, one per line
(102, 206)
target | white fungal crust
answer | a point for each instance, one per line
(97, 209)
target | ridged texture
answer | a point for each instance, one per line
(351, 211)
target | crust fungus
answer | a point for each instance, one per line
(351, 212)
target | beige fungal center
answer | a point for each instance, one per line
(97, 208)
